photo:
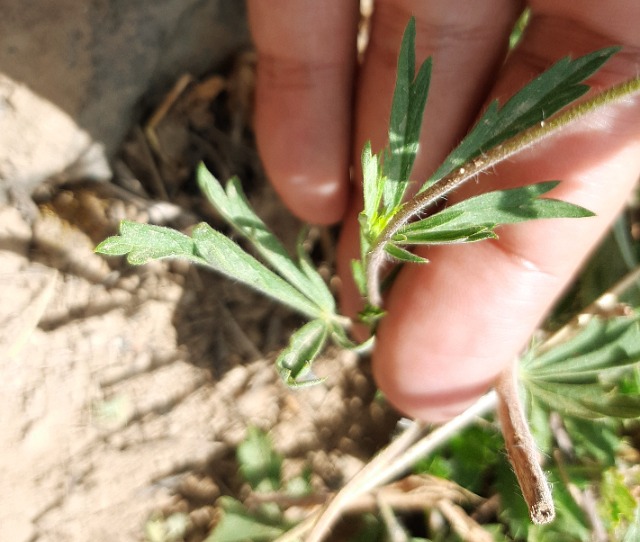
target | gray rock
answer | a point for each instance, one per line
(72, 75)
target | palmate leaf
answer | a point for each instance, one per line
(547, 94)
(407, 109)
(598, 442)
(144, 242)
(585, 377)
(232, 204)
(476, 218)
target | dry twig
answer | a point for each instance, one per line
(522, 450)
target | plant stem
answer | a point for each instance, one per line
(392, 462)
(360, 483)
(431, 442)
(490, 158)
(522, 450)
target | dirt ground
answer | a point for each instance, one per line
(125, 391)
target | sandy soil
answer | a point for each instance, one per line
(125, 391)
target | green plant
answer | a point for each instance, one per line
(392, 223)
(261, 467)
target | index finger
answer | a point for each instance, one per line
(306, 66)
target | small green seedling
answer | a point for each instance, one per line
(391, 224)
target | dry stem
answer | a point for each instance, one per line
(401, 454)
(522, 450)
(388, 465)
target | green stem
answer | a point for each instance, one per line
(435, 193)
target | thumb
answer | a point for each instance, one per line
(454, 324)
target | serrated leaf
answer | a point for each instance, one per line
(540, 99)
(402, 255)
(407, 110)
(144, 242)
(226, 257)
(232, 204)
(294, 362)
(476, 218)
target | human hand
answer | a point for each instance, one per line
(454, 324)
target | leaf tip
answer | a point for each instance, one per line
(204, 176)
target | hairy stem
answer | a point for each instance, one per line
(522, 450)
(490, 158)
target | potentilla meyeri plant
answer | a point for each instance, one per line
(391, 224)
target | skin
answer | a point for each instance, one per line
(453, 325)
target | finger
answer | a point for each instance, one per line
(455, 323)
(468, 42)
(306, 62)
